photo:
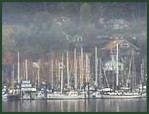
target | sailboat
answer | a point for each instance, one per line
(72, 94)
(14, 93)
(5, 90)
(97, 94)
(26, 87)
(118, 94)
(142, 86)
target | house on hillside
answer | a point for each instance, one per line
(126, 62)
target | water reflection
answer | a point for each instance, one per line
(92, 105)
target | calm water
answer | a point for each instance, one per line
(92, 105)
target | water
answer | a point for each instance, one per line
(92, 105)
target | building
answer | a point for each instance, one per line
(126, 62)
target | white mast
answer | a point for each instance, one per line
(59, 73)
(62, 74)
(13, 71)
(117, 72)
(26, 69)
(96, 67)
(68, 75)
(38, 83)
(142, 72)
(100, 75)
(75, 69)
(81, 70)
(18, 67)
(86, 68)
(52, 70)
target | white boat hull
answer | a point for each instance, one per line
(4, 97)
(63, 97)
(96, 95)
(122, 96)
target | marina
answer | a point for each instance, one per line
(27, 91)
(74, 57)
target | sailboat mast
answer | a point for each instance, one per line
(86, 68)
(38, 74)
(12, 79)
(52, 70)
(18, 67)
(117, 72)
(142, 72)
(13, 71)
(75, 69)
(100, 75)
(68, 75)
(96, 67)
(81, 73)
(133, 70)
(59, 73)
(26, 69)
(62, 74)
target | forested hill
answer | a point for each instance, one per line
(36, 29)
(21, 11)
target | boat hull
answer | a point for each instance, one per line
(122, 96)
(4, 97)
(64, 97)
(13, 97)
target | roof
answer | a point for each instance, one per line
(112, 44)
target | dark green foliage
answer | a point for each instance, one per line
(40, 26)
